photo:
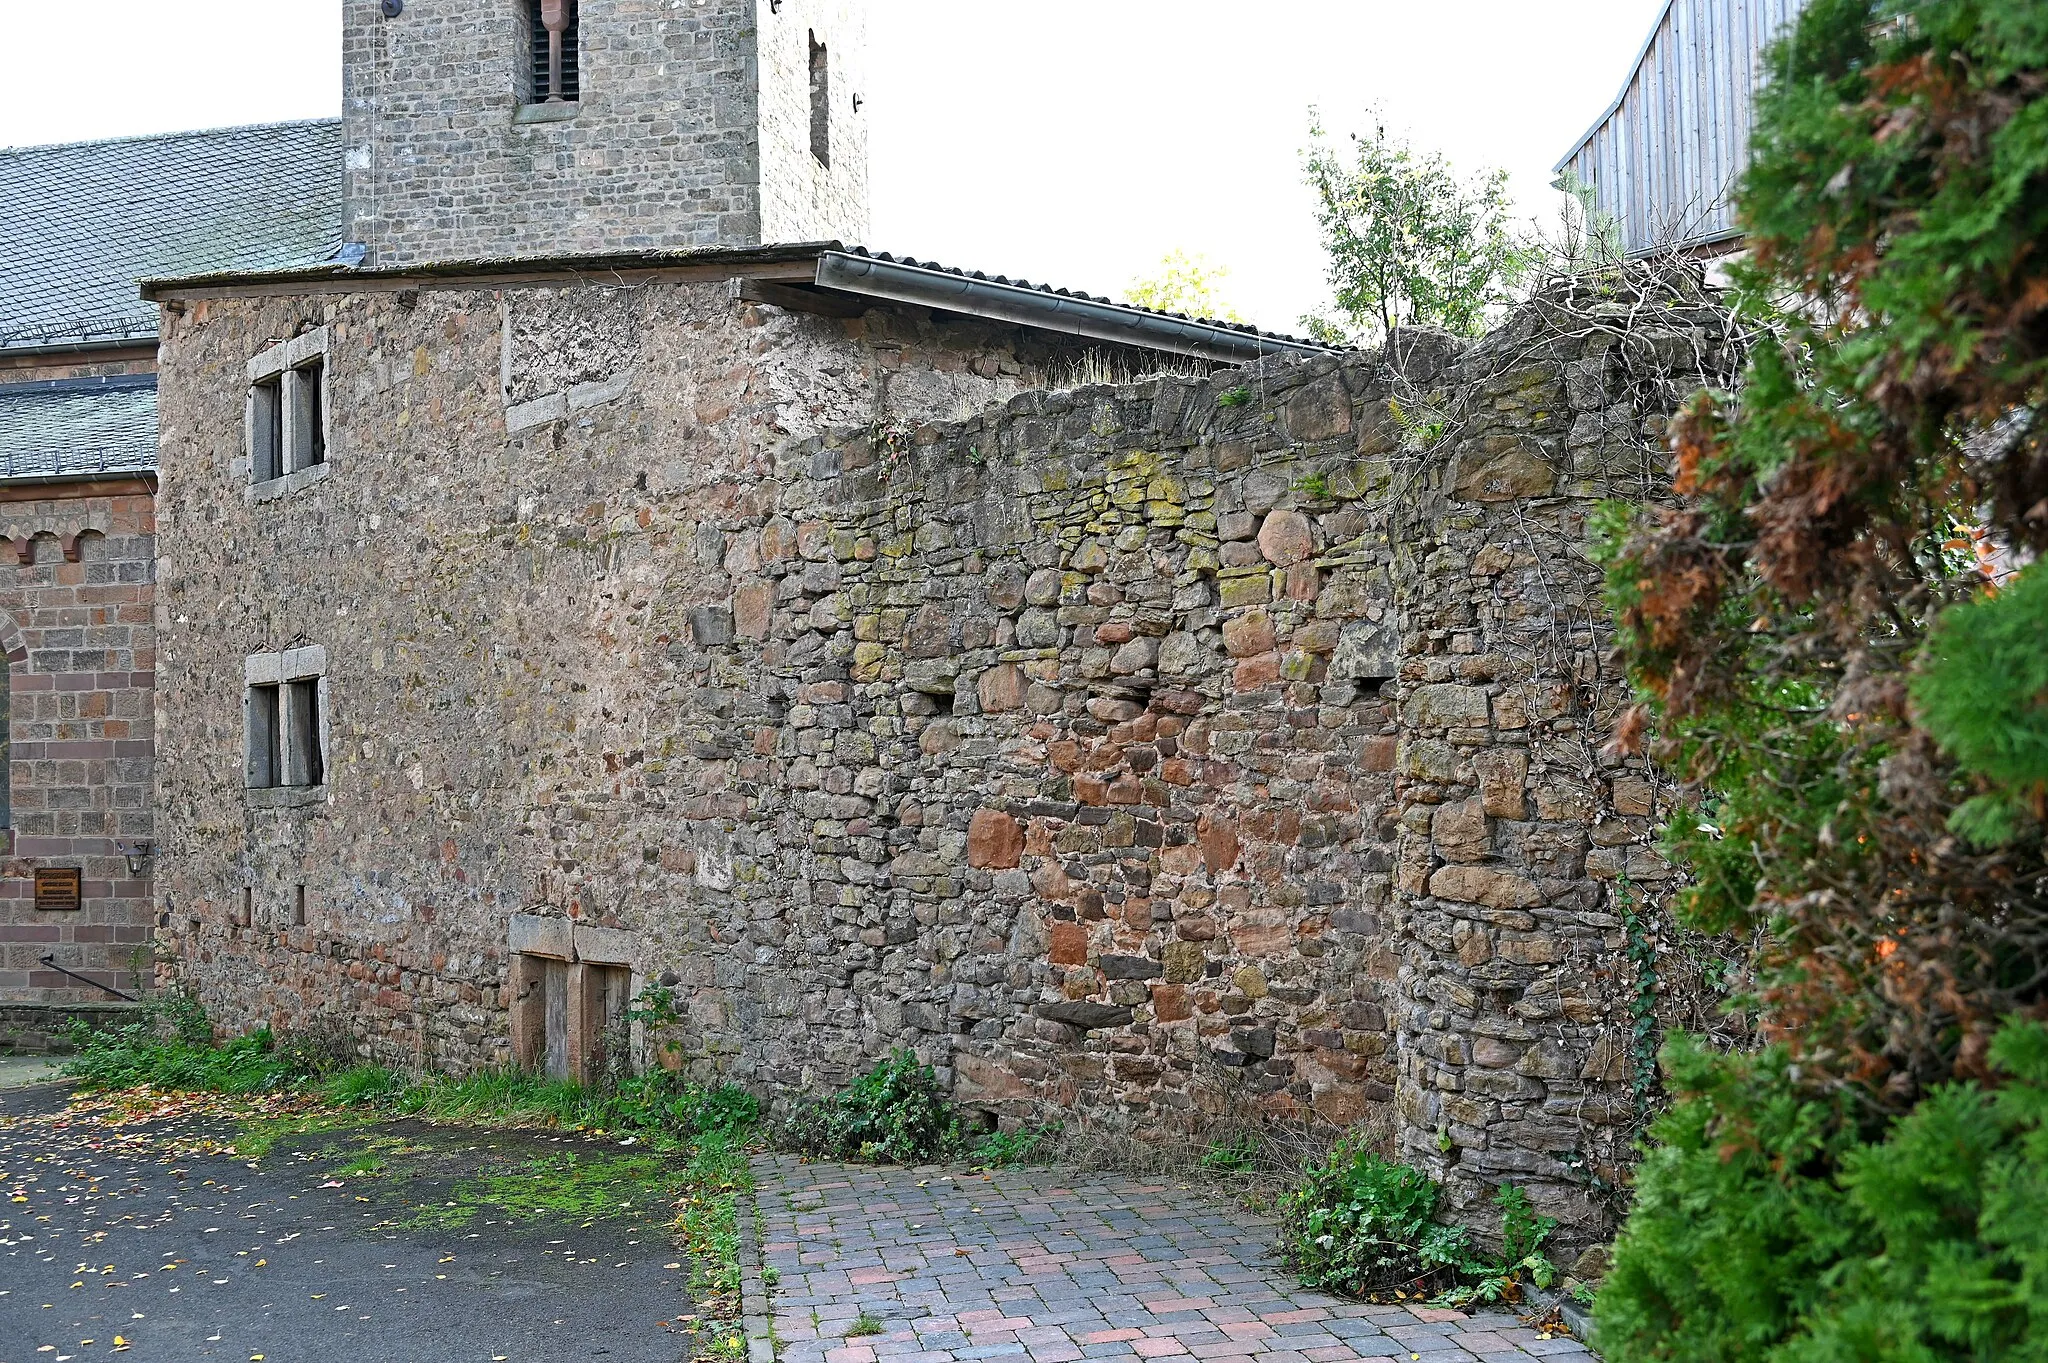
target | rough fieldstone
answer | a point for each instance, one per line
(1248, 634)
(994, 839)
(1503, 781)
(1459, 831)
(1183, 962)
(1482, 885)
(1085, 1014)
(1286, 538)
(1509, 470)
(1446, 707)
(1000, 689)
(1128, 968)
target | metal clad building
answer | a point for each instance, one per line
(1662, 161)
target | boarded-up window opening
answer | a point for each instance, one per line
(266, 429)
(265, 767)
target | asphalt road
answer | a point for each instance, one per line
(121, 1240)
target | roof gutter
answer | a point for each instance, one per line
(85, 477)
(1014, 303)
(134, 341)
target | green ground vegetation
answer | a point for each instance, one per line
(1361, 1224)
(650, 1146)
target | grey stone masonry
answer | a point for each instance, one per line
(693, 129)
(1187, 753)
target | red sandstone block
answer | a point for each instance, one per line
(994, 840)
(1069, 944)
(31, 932)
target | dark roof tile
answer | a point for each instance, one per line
(77, 427)
(81, 223)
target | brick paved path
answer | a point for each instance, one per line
(1018, 1265)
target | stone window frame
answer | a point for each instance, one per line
(279, 671)
(278, 379)
(596, 977)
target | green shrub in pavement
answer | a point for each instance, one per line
(1359, 1223)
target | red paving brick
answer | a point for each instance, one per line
(1017, 1265)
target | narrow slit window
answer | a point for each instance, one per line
(553, 76)
(265, 765)
(266, 429)
(821, 102)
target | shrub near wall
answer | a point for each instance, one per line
(1833, 626)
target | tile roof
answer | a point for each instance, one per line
(80, 223)
(78, 427)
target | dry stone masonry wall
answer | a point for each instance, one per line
(1183, 753)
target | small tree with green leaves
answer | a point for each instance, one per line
(1188, 283)
(1409, 242)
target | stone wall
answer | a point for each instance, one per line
(76, 578)
(1191, 752)
(45, 1028)
(508, 546)
(682, 110)
(802, 199)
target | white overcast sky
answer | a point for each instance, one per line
(1065, 141)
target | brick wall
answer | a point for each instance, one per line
(665, 149)
(1184, 752)
(76, 583)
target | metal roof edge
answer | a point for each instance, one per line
(147, 473)
(325, 272)
(94, 383)
(1075, 314)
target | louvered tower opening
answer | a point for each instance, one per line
(537, 71)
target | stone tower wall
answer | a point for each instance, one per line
(1191, 753)
(801, 198)
(664, 151)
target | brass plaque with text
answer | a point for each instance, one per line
(58, 887)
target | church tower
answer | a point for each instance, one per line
(483, 129)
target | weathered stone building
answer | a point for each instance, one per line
(1197, 750)
(569, 591)
(77, 483)
(717, 123)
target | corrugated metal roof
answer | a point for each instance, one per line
(1663, 160)
(81, 223)
(1239, 327)
(78, 427)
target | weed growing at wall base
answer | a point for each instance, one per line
(1367, 1226)
(893, 1114)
